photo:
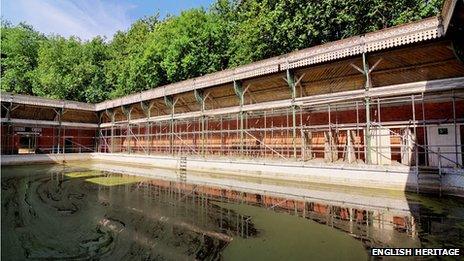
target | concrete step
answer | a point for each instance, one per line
(428, 176)
(427, 168)
(429, 172)
(429, 182)
(429, 190)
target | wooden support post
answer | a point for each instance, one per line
(127, 111)
(149, 138)
(416, 151)
(332, 140)
(309, 144)
(292, 85)
(265, 135)
(456, 147)
(201, 100)
(10, 128)
(350, 153)
(246, 144)
(241, 95)
(302, 137)
(357, 130)
(9, 144)
(111, 114)
(146, 108)
(424, 130)
(59, 115)
(407, 147)
(222, 138)
(98, 133)
(171, 103)
(8, 109)
(368, 131)
(327, 150)
(286, 150)
(228, 137)
(367, 100)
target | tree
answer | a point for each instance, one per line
(69, 69)
(154, 52)
(96, 55)
(124, 72)
(190, 45)
(19, 53)
(267, 28)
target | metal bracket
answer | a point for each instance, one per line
(146, 107)
(126, 110)
(100, 116)
(9, 109)
(199, 96)
(59, 113)
(291, 83)
(111, 114)
(366, 66)
(238, 89)
(169, 101)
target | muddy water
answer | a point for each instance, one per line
(74, 212)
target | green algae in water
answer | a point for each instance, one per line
(62, 212)
(83, 174)
(435, 205)
(100, 178)
(285, 237)
(115, 180)
(72, 219)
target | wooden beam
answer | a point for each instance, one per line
(377, 92)
(50, 123)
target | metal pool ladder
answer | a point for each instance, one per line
(183, 169)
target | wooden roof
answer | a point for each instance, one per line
(417, 51)
(406, 34)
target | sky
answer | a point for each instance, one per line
(89, 18)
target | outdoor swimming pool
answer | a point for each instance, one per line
(80, 211)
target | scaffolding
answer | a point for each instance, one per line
(390, 97)
(329, 132)
(41, 139)
(52, 127)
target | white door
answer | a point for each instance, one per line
(444, 139)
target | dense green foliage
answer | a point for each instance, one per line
(154, 52)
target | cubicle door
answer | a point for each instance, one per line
(444, 140)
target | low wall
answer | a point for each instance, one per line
(364, 176)
(399, 178)
(453, 182)
(43, 158)
(392, 202)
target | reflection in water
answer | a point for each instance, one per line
(57, 216)
(66, 212)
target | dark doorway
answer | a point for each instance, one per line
(68, 146)
(27, 144)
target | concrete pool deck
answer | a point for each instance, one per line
(402, 178)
